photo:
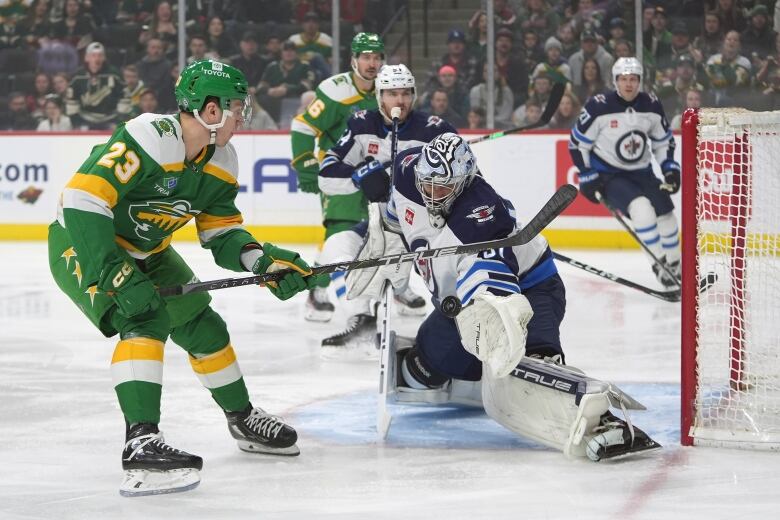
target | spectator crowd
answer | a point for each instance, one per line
(91, 64)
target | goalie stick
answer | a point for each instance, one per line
(560, 200)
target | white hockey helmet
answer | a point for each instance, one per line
(446, 161)
(390, 77)
(625, 66)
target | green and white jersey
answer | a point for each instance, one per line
(321, 44)
(135, 190)
(325, 119)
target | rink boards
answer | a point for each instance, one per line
(525, 168)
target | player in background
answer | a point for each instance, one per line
(609, 147)
(356, 164)
(320, 126)
(110, 248)
(513, 304)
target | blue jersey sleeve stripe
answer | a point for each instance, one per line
(580, 137)
(484, 265)
(508, 288)
(538, 274)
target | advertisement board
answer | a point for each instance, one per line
(525, 168)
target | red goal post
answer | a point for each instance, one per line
(730, 369)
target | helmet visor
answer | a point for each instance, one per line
(242, 110)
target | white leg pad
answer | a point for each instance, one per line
(551, 404)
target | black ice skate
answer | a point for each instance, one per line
(259, 432)
(360, 329)
(318, 305)
(615, 439)
(152, 467)
(410, 303)
(664, 278)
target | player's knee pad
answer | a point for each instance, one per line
(554, 405)
(203, 335)
(154, 324)
(641, 213)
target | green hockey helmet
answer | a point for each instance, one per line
(367, 42)
(208, 78)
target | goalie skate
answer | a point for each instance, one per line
(152, 467)
(615, 438)
(318, 305)
(256, 431)
(410, 303)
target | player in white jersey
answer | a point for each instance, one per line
(609, 146)
(358, 163)
(507, 333)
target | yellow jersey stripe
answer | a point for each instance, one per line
(130, 247)
(214, 362)
(173, 167)
(94, 185)
(133, 349)
(300, 119)
(352, 100)
(219, 173)
(205, 221)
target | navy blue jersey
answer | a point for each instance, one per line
(366, 135)
(611, 134)
(478, 214)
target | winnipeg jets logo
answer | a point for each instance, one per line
(482, 213)
(630, 147)
(408, 160)
(360, 114)
(433, 121)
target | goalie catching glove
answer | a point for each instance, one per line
(494, 329)
(274, 259)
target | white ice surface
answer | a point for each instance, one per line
(61, 431)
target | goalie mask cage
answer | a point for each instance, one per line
(731, 332)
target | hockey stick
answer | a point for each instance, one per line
(383, 417)
(667, 296)
(560, 200)
(633, 234)
(549, 110)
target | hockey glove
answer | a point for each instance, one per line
(671, 171)
(308, 171)
(132, 291)
(372, 179)
(591, 183)
(276, 259)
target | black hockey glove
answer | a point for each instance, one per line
(671, 171)
(591, 183)
(372, 180)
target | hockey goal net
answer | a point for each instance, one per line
(731, 329)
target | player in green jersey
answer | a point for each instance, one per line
(110, 248)
(322, 124)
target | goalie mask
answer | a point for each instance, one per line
(446, 166)
(394, 77)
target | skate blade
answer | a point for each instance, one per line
(141, 482)
(641, 451)
(318, 316)
(254, 447)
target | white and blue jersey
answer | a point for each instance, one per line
(477, 214)
(366, 135)
(612, 134)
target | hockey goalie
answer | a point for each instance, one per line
(502, 350)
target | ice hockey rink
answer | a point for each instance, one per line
(62, 432)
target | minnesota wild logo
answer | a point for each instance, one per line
(164, 126)
(157, 220)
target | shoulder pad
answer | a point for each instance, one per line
(159, 136)
(338, 87)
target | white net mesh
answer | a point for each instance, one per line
(738, 324)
